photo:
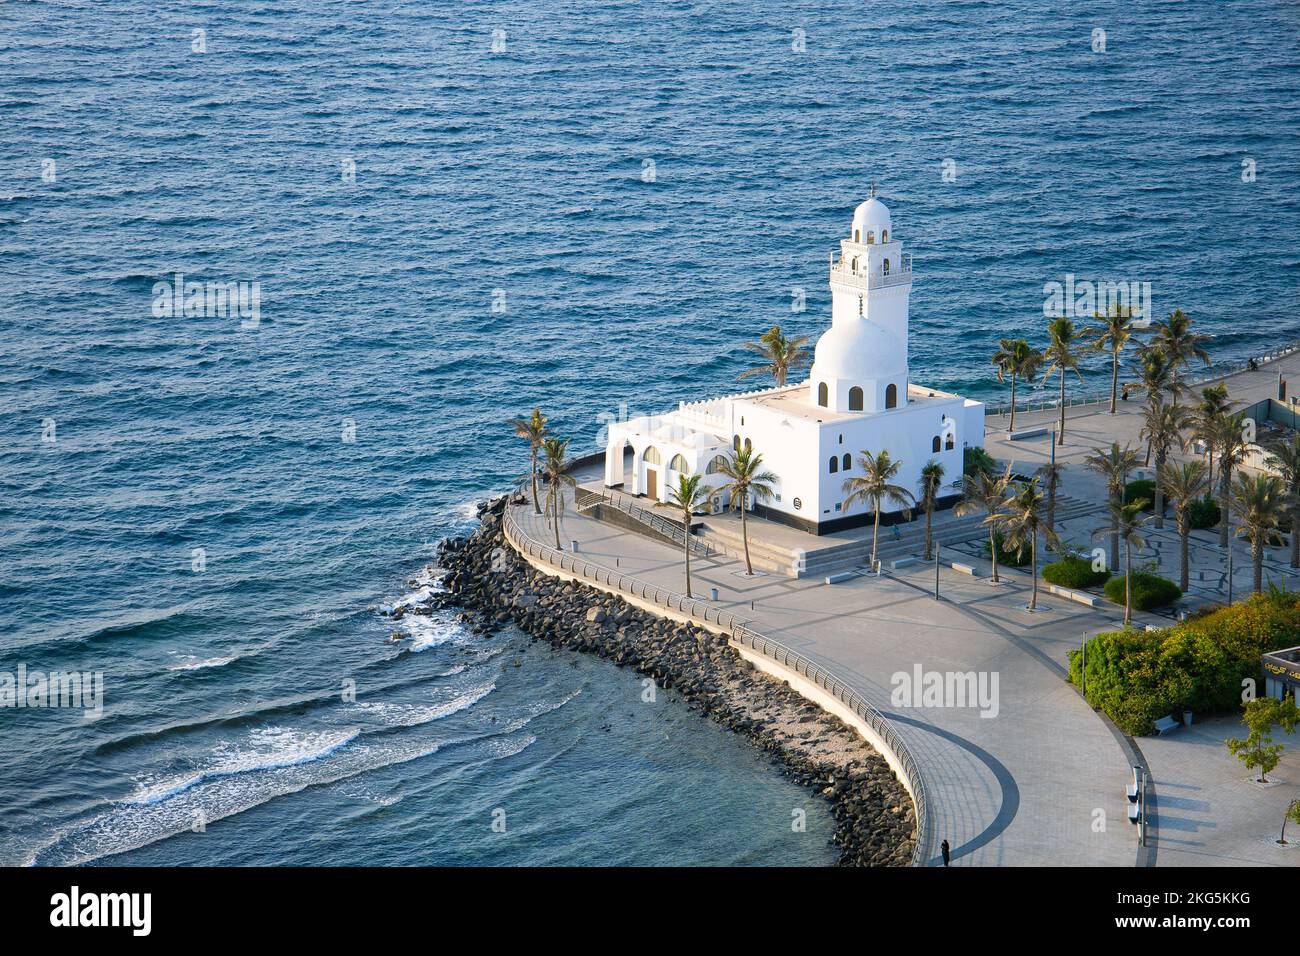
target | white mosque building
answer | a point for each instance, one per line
(858, 396)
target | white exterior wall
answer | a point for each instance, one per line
(788, 450)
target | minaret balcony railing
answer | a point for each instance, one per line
(871, 280)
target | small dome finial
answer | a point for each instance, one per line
(873, 189)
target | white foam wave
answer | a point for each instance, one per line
(413, 715)
(192, 663)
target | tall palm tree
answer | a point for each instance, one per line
(1153, 377)
(1128, 518)
(983, 491)
(1175, 338)
(1114, 465)
(1114, 332)
(1162, 429)
(555, 472)
(1016, 359)
(780, 355)
(1259, 503)
(875, 486)
(746, 482)
(1062, 354)
(931, 482)
(1049, 472)
(1204, 419)
(1286, 460)
(1022, 521)
(1230, 441)
(689, 496)
(1184, 483)
(534, 431)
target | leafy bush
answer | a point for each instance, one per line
(1073, 571)
(1143, 489)
(1009, 557)
(1149, 590)
(1204, 513)
(1137, 677)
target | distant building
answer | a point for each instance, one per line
(858, 396)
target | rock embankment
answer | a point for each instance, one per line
(494, 587)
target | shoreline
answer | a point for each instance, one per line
(495, 587)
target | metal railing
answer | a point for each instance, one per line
(585, 499)
(742, 632)
(1215, 373)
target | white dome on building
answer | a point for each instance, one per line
(871, 216)
(860, 352)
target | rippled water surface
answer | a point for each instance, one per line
(516, 177)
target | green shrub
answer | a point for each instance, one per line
(1204, 513)
(1144, 489)
(976, 459)
(1137, 677)
(1009, 557)
(1073, 571)
(1149, 590)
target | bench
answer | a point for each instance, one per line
(902, 563)
(1133, 812)
(841, 576)
(962, 568)
(1165, 724)
(1027, 433)
(1079, 597)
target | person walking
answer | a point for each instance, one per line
(947, 853)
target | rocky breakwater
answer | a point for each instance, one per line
(493, 587)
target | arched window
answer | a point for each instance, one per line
(884, 235)
(848, 462)
(871, 237)
(835, 464)
(735, 442)
(651, 456)
(936, 444)
(951, 443)
(679, 464)
(891, 396)
(855, 399)
(857, 235)
(716, 465)
(884, 268)
(855, 265)
(823, 395)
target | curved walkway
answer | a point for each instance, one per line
(1041, 781)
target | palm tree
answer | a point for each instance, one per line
(534, 431)
(1229, 438)
(1114, 465)
(689, 496)
(1184, 484)
(986, 492)
(780, 355)
(1286, 460)
(1063, 355)
(1162, 428)
(1022, 521)
(931, 482)
(1115, 331)
(1205, 418)
(555, 472)
(1050, 474)
(1175, 338)
(1016, 359)
(1153, 377)
(746, 482)
(874, 487)
(1128, 518)
(1259, 502)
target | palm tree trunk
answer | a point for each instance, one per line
(875, 535)
(744, 533)
(929, 513)
(1051, 504)
(1060, 435)
(1128, 584)
(1184, 533)
(1114, 379)
(1257, 558)
(537, 508)
(1012, 426)
(1225, 485)
(1114, 530)
(555, 510)
(1295, 537)
(686, 547)
(1209, 472)
(993, 550)
(1033, 561)
(1159, 503)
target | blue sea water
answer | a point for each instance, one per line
(517, 178)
